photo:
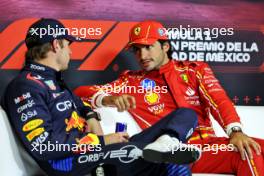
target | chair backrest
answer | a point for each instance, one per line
(252, 120)
(15, 160)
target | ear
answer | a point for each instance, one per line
(55, 45)
(166, 46)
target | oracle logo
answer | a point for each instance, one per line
(63, 106)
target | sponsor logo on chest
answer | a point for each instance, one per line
(39, 140)
(22, 98)
(29, 104)
(28, 115)
(63, 106)
(157, 109)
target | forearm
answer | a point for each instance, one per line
(94, 126)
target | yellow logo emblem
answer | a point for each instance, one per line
(151, 98)
(184, 78)
(137, 30)
(32, 124)
(35, 133)
(75, 122)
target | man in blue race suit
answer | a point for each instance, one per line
(63, 134)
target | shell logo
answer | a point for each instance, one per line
(152, 98)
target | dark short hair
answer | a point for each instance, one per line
(39, 52)
(162, 43)
(133, 49)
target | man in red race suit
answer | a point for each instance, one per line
(176, 84)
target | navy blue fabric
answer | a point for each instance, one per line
(179, 123)
(39, 93)
(178, 170)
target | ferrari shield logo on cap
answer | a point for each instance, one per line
(137, 30)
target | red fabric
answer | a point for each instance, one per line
(147, 33)
(227, 161)
(192, 85)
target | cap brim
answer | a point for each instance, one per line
(73, 39)
(148, 41)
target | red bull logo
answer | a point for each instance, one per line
(89, 139)
(75, 122)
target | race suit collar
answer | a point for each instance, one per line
(165, 68)
(42, 69)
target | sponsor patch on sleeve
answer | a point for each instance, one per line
(32, 124)
(35, 133)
